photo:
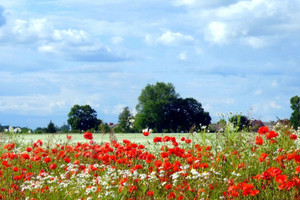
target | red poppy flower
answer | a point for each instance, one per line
(208, 148)
(69, 137)
(25, 156)
(164, 154)
(203, 165)
(15, 169)
(172, 195)
(298, 168)
(254, 192)
(126, 141)
(52, 166)
(67, 159)
(9, 146)
(28, 149)
(146, 133)
(262, 130)
(188, 141)
(281, 179)
(168, 186)
(88, 135)
(150, 193)
(258, 140)
(293, 136)
(157, 139)
(263, 157)
(47, 160)
(272, 134)
(132, 188)
(241, 165)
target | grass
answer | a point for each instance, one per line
(101, 138)
(229, 165)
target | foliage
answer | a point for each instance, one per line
(51, 127)
(104, 128)
(186, 113)
(152, 106)
(255, 125)
(160, 108)
(240, 122)
(83, 118)
(125, 121)
(64, 128)
(235, 165)
(295, 116)
(40, 130)
(26, 130)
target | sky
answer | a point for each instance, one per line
(232, 56)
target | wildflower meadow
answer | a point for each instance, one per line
(227, 165)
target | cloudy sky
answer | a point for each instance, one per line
(232, 56)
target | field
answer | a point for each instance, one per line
(229, 165)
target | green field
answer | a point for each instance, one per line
(139, 138)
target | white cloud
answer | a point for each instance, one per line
(71, 35)
(218, 32)
(171, 38)
(257, 23)
(32, 29)
(47, 49)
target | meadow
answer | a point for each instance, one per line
(228, 165)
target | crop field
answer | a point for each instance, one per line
(229, 165)
(99, 137)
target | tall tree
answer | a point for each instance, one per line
(125, 123)
(83, 118)
(187, 113)
(240, 122)
(295, 116)
(51, 127)
(160, 108)
(153, 106)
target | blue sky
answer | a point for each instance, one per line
(232, 56)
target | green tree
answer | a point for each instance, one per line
(153, 104)
(64, 128)
(187, 113)
(104, 128)
(295, 116)
(240, 122)
(40, 130)
(26, 130)
(51, 127)
(83, 118)
(125, 121)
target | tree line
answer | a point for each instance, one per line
(160, 109)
